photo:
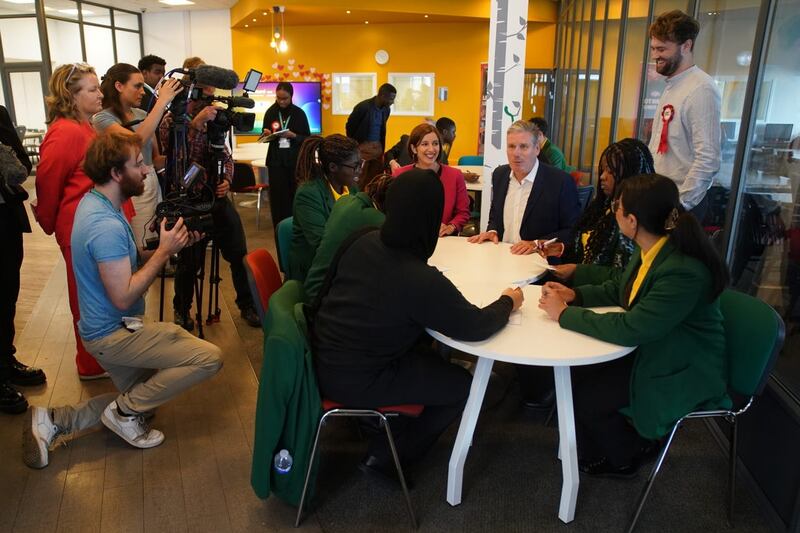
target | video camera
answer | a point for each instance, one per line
(185, 202)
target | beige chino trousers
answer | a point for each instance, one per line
(149, 367)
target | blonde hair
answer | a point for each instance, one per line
(63, 85)
(528, 127)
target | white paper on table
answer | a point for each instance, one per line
(515, 319)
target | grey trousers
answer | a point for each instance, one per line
(149, 367)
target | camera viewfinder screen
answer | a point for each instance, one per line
(307, 96)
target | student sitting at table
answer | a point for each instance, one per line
(597, 241)
(368, 335)
(326, 170)
(425, 149)
(669, 292)
(349, 214)
(531, 201)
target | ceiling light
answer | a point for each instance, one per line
(26, 2)
(278, 41)
(177, 2)
(72, 11)
(366, 22)
(283, 46)
(254, 20)
(348, 11)
(426, 16)
(247, 25)
(264, 13)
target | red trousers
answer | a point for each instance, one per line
(87, 365)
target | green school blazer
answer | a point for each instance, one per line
(681, 363)
(312, 206)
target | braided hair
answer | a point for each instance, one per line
(317, 152)
(623, 159)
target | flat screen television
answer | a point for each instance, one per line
(307, 96)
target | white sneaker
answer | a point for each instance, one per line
(38, 434)
(133, 429)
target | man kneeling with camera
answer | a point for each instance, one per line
(149, 362)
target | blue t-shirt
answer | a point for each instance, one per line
(100, 233)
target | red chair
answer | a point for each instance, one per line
(263, 277)
(244, 180)
(333, 409)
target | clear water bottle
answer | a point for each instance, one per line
(283, 462)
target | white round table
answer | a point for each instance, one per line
(476, 186)
(530, 338)
(246, 152)
(487, 264)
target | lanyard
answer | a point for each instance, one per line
(284, 125)
(105, 200)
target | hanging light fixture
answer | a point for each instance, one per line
(272, 43)
(278, 41)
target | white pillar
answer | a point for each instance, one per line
(507, 35)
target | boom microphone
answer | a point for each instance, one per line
(220, 78)
(242, 101)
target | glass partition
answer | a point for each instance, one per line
(766, 248)
(64, 39)
(20, 40)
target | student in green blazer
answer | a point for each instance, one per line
(669, 291)
(327, 169)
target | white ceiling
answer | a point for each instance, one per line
(12, 8)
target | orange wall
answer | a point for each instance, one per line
(453, 51)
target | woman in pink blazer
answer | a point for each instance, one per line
(425, 148)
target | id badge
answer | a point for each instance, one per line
(283, 142)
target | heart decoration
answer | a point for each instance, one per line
(301, 66)
(312, 69)
(280, 67)
(327, 91)
(296, 74)
(291, 61)
(326, 106)
(290, 67)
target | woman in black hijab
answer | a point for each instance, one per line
(368, 334)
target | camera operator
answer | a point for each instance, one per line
(228, 232)
(14, 169)
(148, 362)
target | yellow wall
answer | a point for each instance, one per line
(453, 51)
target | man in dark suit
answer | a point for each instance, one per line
(367, 125)
(14, 169)
(531, 201)
(152, 68)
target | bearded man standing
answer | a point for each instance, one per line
(686, 129)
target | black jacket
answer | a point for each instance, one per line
(358, 122)
(9, 137)
(298, 123)
(552, 209)
(382, 299)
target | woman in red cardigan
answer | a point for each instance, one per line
(425, 148)
(60, 182)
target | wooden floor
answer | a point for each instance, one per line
(198, 480)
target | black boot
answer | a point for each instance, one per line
(25, 376)
(11, 400)
(184, 319)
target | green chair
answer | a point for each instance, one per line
(473, 160)
(284, 244)
(754, 335)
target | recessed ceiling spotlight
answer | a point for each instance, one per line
(26, 2)
(254, 20)
(247, 25)
(264, 13)
(348, 11)
(177, 2)
(426, 16)
(366, 22)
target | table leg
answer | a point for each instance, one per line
(568, 448)
(455, 473)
